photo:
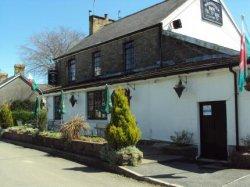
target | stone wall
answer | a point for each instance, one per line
(147, 55)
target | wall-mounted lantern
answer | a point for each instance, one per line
(179, 88)
(73, 100)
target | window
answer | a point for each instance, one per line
(129, 58)
(95, 102)
(57, 102)
(97, 63)
(72, 70)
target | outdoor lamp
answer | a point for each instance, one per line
(179, 88)
(73, 100)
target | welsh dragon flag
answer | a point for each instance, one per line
(244, 55)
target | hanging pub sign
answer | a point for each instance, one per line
(212, 11)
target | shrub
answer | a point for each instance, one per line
(25, 129)
(71, 130)
(246, 141)
(23, 115)
(122, 130)
(25, 105)
(182, 138)
(6, 119)
(130, 156)
(42, 120)
(48, 134)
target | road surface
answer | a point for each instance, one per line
(23, 167)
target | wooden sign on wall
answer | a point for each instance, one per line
(212, 11)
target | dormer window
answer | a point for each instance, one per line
(129, 56)
(72, 70)
(97, 64)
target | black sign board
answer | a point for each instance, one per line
(212, 11)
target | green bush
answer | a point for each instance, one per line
(122, 130)
(6, 119)
(128, 156)
(48, 134)
(182, 138)
(42, 120)
(23, 115)
(25, 105)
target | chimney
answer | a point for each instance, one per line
(19, 69)
(97, 22)
(3, 76)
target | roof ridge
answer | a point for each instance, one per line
(152, 6)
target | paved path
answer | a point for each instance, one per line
(194, 175)
(22, 167)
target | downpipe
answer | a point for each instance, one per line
(236, 108)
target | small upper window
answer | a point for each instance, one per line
(72, 70)
(129, 58)
(97, 63)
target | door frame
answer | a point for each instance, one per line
(200, 124)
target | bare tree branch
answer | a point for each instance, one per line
(41, 48)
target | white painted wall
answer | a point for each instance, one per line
(193, 26)
(160, 113)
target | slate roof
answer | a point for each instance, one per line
(132, 23)
(6, 80)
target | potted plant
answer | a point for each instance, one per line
(182, 144)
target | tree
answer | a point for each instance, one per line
(122, 130)
(42, 48)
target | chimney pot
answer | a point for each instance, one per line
(19, 69)
(3, 76)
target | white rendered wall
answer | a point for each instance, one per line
(160, 113)
(193, 26)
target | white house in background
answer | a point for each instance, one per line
(190, 43)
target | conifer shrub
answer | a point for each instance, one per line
(6, 119)
(122, 131)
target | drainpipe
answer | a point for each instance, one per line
(160, 44)
(236, 107)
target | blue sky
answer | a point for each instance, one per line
(19, 19)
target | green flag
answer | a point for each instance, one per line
(107, 102)
(34, 86)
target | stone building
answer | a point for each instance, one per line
(178, 59)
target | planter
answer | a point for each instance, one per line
(76, 146)
(18, 137)
(241, 160)
(187, 151)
